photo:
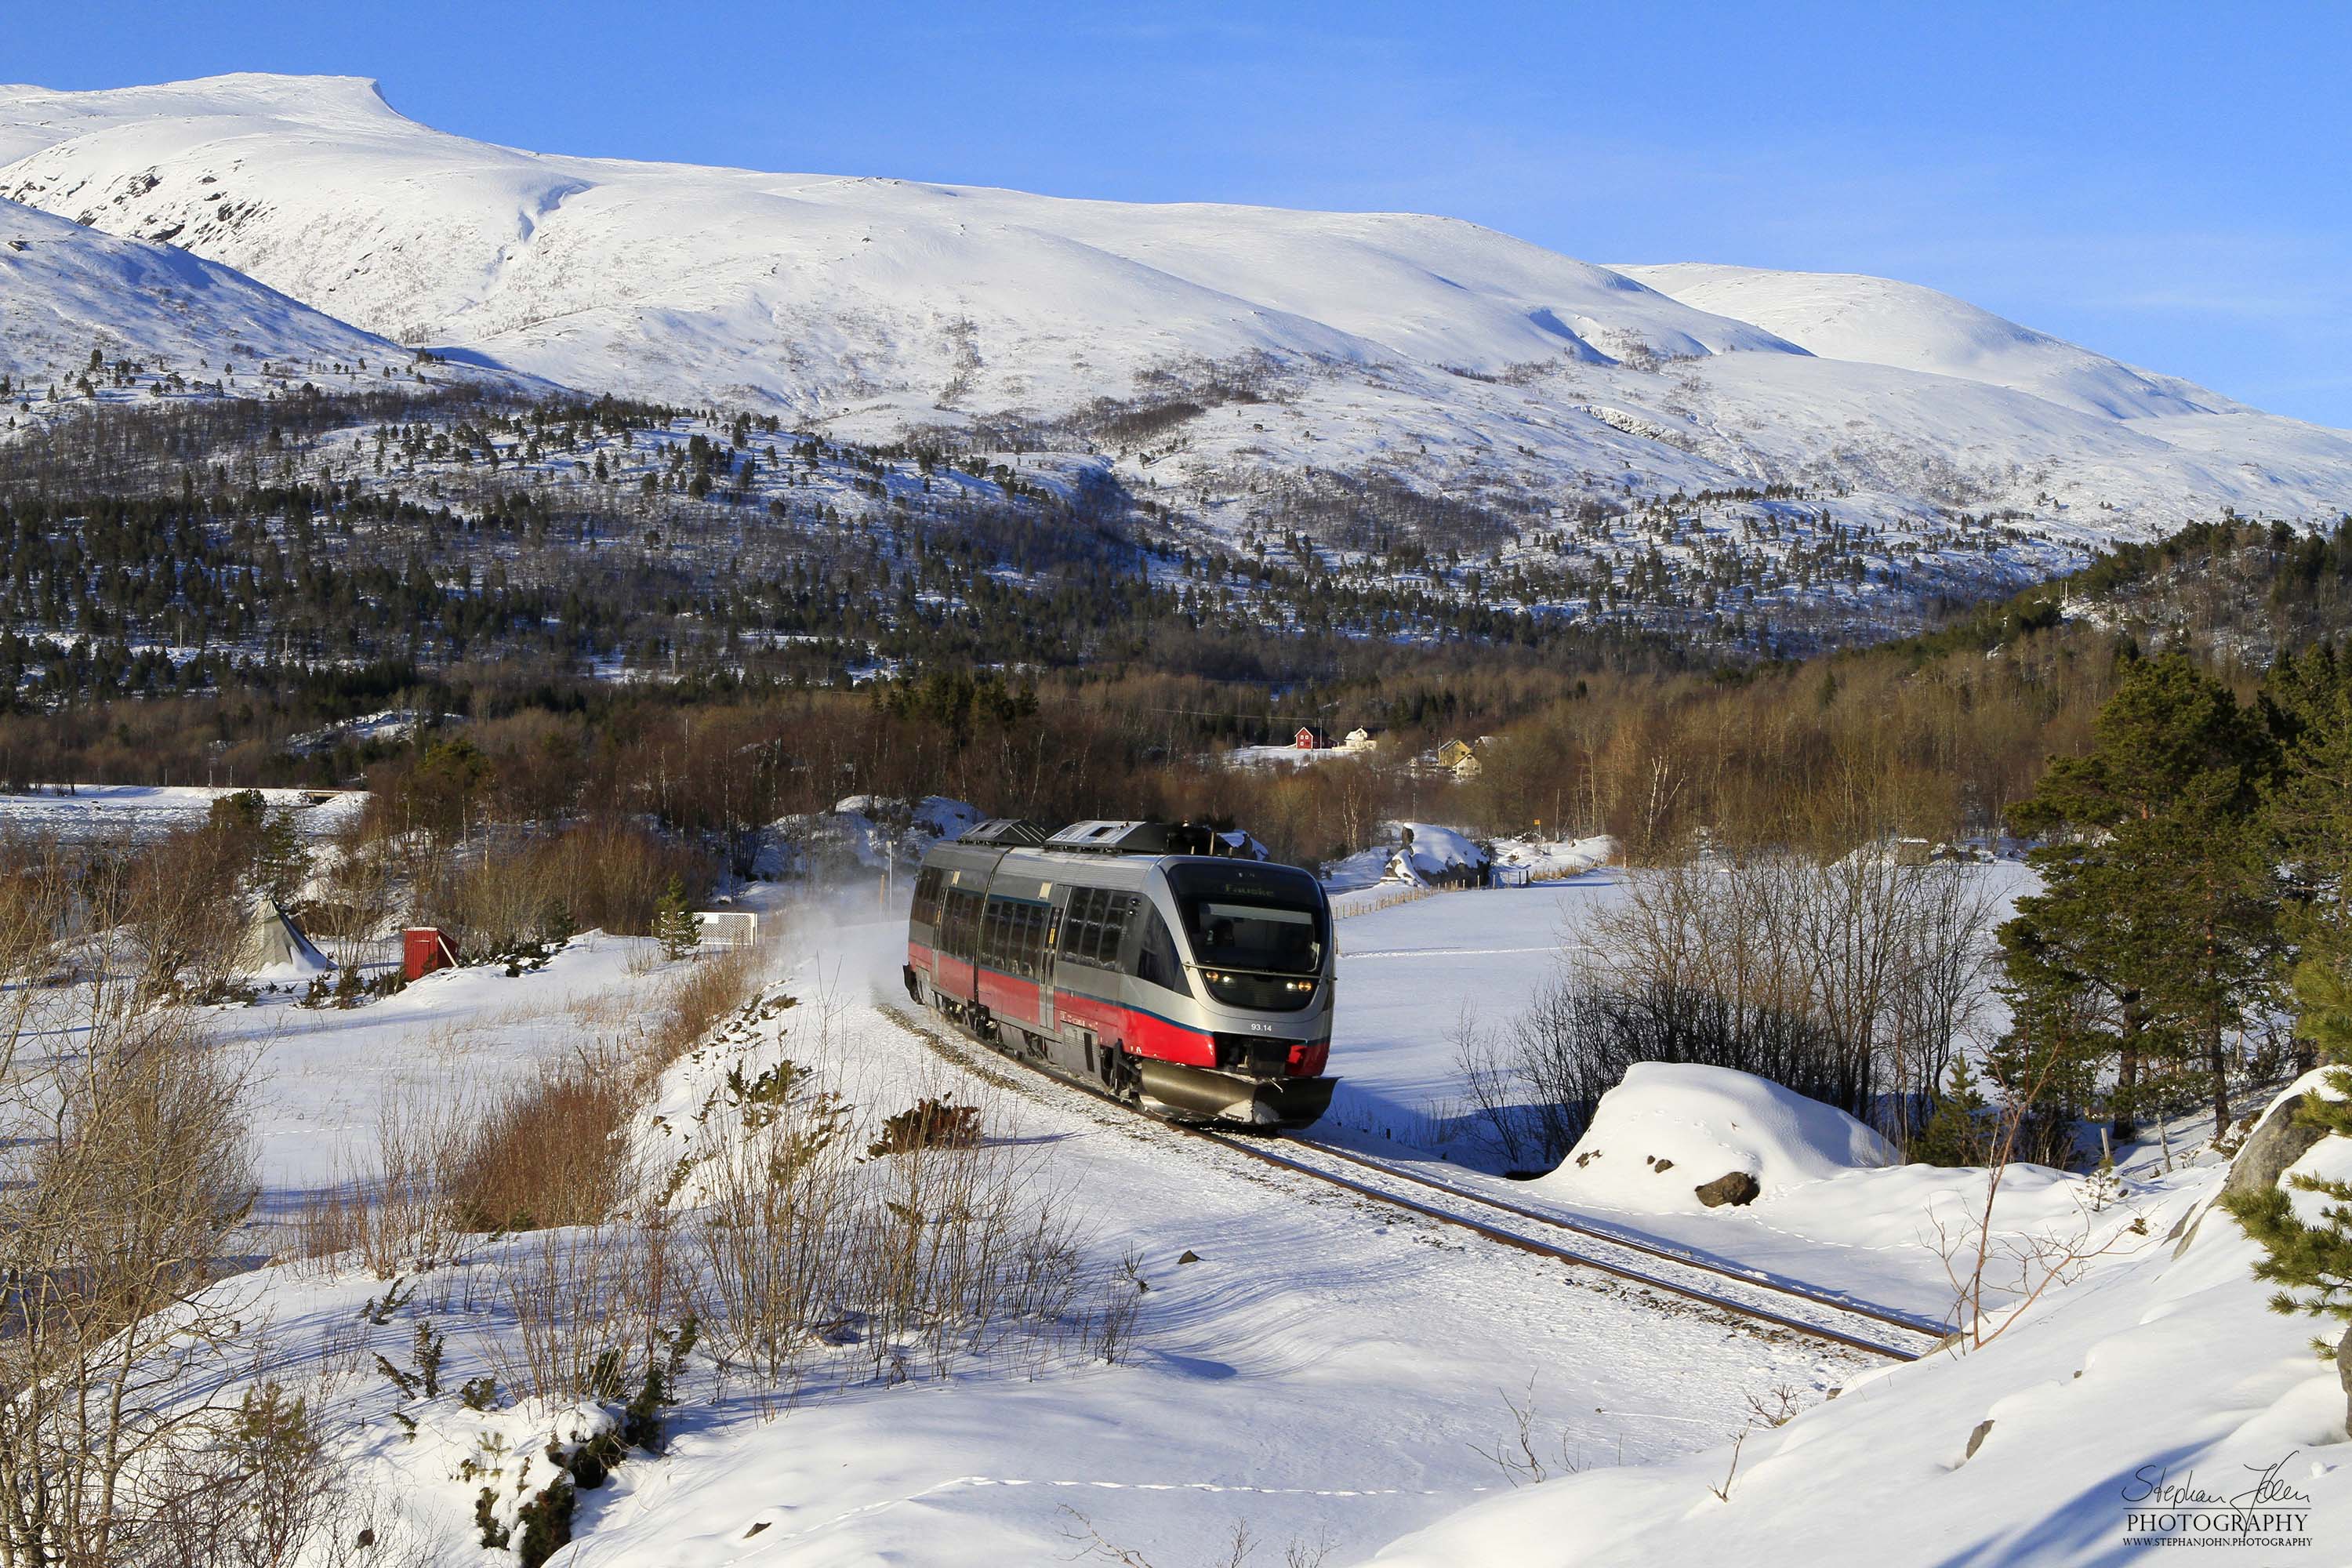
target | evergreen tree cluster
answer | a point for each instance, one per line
(2194, 864)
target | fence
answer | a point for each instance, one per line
(727, 927)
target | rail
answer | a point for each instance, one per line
(1636, 1262)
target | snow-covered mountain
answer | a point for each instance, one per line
(1246, 351)
(67, 291)
(1877, 321)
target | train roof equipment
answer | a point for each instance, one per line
(1148, 837)
(1007, 832)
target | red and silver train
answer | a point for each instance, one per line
(1142, 959)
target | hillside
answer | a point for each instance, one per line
(1877, 321)
(1252, 368)
(68, 292)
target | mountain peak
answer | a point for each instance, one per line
(1260, 341)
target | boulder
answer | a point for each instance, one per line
(2186, 1228)
(2271, 1148)
(2344, 1375)
(1733, 1187)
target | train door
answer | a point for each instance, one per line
(1053, 928)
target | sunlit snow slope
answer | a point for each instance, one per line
(1877, 321)
(1453, 356)
(66, 291)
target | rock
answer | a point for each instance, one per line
(1976, 1437)
(2189, 1233)
(2278, 1143)
(1189, 1257)
(1665, 1164)
(2344, 1375)
(1737, 1188)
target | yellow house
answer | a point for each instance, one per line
(1459, 759)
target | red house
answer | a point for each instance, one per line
(1309, 739)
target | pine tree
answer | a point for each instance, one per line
(2309, 808)
(1952, 1136)
(2157, 924)
(674, 924)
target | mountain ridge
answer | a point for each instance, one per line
(1246, 370)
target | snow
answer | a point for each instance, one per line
(1310, 1321)
(450, 1038)
(66, 290)
(2149, 1370)
(1432, 852)
(867, 831)
(1880, 320)
(1705, 1122)
(1550, 858)
(1413, 973)
(1257, 1369)
(140, 811)
(389, 725)
(1456, 358)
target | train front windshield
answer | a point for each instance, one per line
(1258, 932)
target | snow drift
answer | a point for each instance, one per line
(2161, 1366)
(863, 832)
(1671, 1127)
(1427, 853)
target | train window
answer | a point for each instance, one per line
(1079, 922)
(1097, 921)
(1156, 962)
(1013, 936)
(1114, 929)
(926, 908)
(960, 935)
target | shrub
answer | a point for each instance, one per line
(549, 1153)
(928, 1124)
(546, 1522)
(603, 875)
(696, 1001)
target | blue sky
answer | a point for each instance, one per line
(2169, 183)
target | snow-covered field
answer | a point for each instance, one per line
(130, 812)
(1327, 1374)
(1311, 1378)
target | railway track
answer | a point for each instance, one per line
(1792, 1309)
(1908, 1322)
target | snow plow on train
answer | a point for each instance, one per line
(1153, 963)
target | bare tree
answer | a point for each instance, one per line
(126, 1172)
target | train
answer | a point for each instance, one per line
(1154, 962)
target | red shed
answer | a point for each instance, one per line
(422, 950)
